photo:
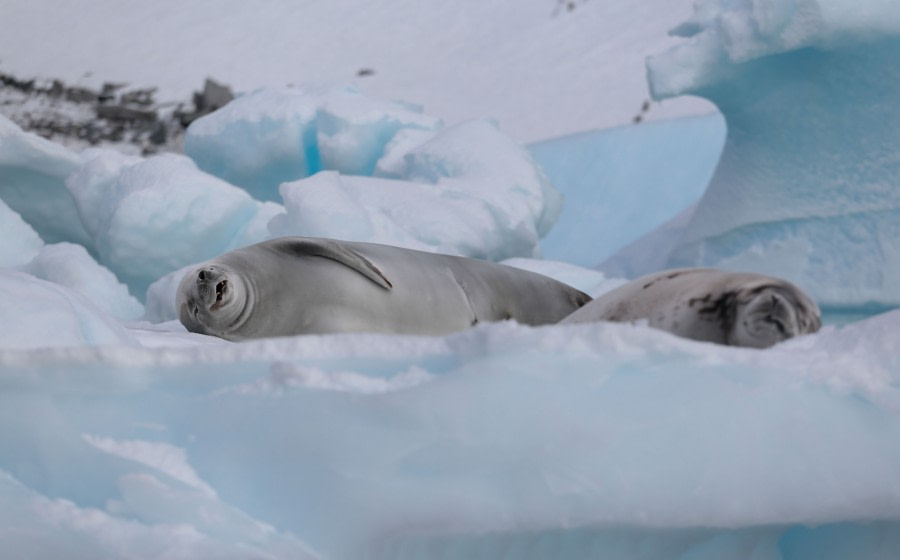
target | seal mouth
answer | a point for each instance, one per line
(221, 289)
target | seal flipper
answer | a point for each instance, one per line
(333, 250)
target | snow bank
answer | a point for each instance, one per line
(272, 136)
(584, 441)
(32, 183)
(38, 314)
(71, 266)
(147, 217)
(807, 187)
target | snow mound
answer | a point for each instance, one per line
(469, 190)
(807, 187)
(19, 243)
(147, 217)
(32, 183)
(272, 136)
(35, 313)
(71, 266)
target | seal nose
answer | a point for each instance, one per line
(202, 275)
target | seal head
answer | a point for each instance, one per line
(211, 299)
(771, 313)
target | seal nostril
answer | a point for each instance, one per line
(202, 275)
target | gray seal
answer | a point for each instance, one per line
(299, 285)
(734, 308)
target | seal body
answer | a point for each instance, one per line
(734, 308)
(299, 285)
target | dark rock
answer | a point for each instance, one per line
(160, 134)
(138, 97)
(214, 96)
(81, 95)
(57, 89)
(108, 93)
(126, 114)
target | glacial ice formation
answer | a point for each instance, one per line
(147, 217)
(467, 190)
(36, 314)
(19, 243)
(70, 265)
(620, 184)
(272, 136)
(807, 186)
(32, 183)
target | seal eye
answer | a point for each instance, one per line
(778, 324)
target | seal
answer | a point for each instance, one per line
(733, 308)
(299, 285)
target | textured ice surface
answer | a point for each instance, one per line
(588, 441)
(32, 182)
(19, 243)
(807, 187)
(619, 184)
(71, 266)
(35, 313)
(467, 190)
(272, 136)
(147, 217)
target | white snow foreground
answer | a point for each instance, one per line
(600, 441)
(807, 187)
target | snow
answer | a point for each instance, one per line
(36, 314)
(19, 243)
(606, 436)
(70, 265)
(147, 217)
(540, 70)
(272, 136)
(468, 190)
(122, 435)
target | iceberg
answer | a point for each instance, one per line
(807, 186)
(36, 314)
(272, 136)
(620, 184)
(72, 266)
(33, 171)
(148, 217)
(19, 243)
(468, 190)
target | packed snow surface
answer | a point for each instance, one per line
(124, 436)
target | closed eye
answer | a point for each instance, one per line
(778, 324)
